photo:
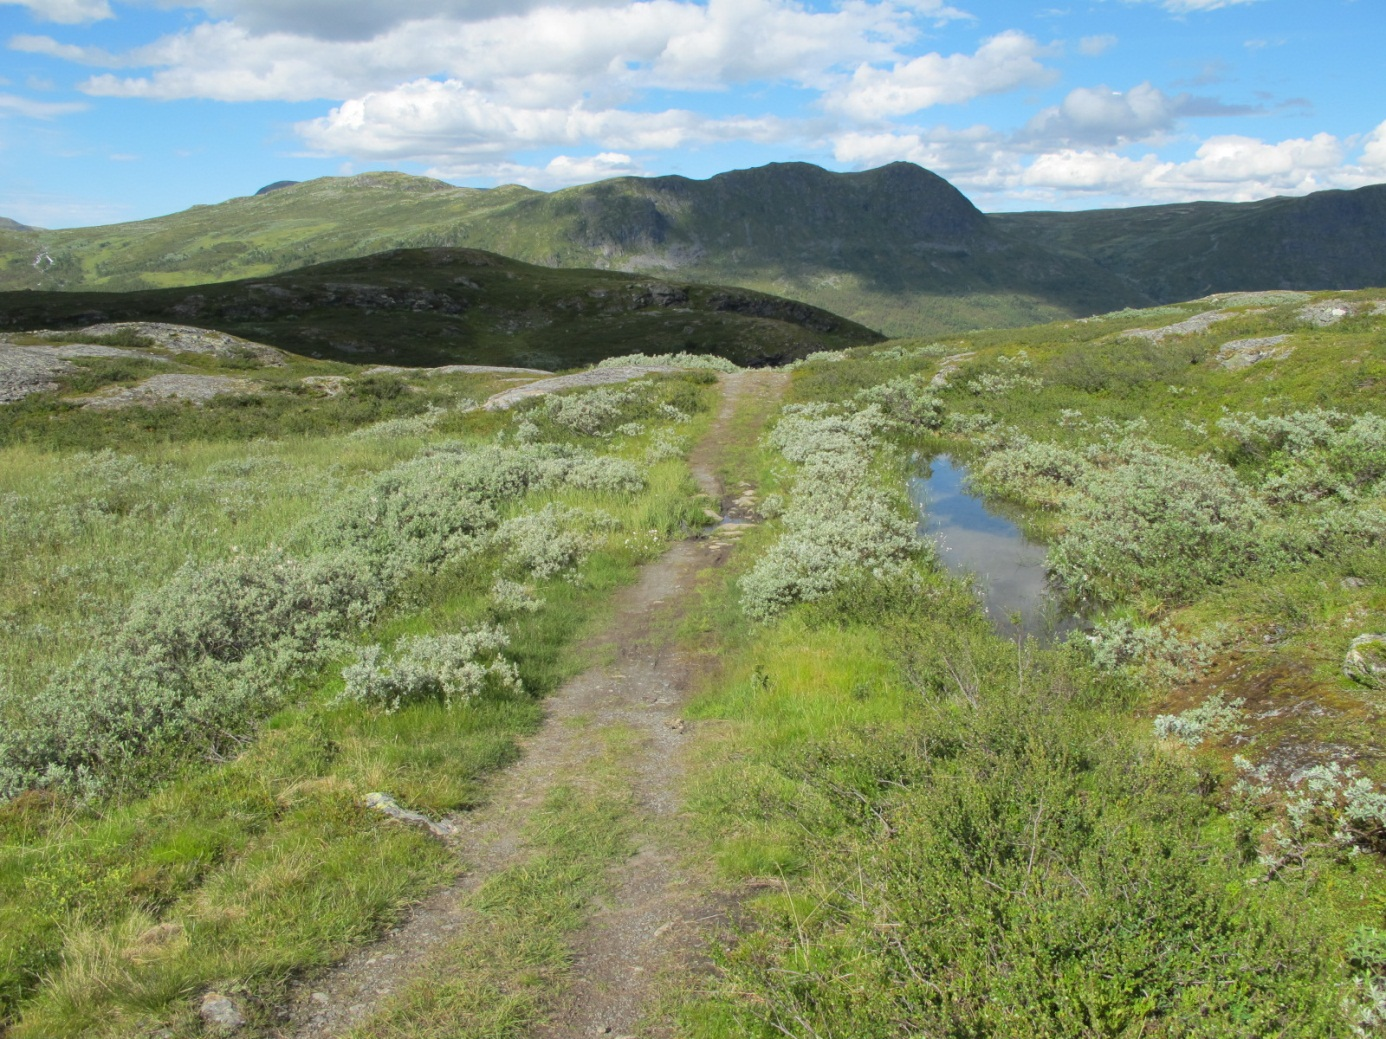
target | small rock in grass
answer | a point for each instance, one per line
(1366, 660)
(220, 1013)
(389, 806)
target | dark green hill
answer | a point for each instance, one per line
(1327, 240)
(440, 306)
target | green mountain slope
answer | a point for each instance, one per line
(1327, 240)
(432, 306)
(896, 248)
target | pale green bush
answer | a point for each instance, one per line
(838, 523)
(664, 445)
(909, 401)
(1160, 649)
(1007, 374)
(1159, 523)
(1324, 808)
(1215, 717)
(513, 597)
(414, 426)
(453, 669)
(192, 661)
(708, 362)
(1034, 472)
(546, 543)
(591, 413)
(1314, 454)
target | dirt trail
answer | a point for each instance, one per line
(657, 915)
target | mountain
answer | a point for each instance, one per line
(6, 224)
(278, 185)
(897, 248)
(442, 306)
(1326, 240)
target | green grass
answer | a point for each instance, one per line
(964, 838)
(243, 873)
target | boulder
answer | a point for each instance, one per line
(1365, 662)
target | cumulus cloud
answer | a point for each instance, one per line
(1228, 167)
(551, 55)
(436, 121)
(1103, 116)
(1002, 63)
(65, 12)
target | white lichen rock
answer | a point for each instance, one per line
(1366, 660)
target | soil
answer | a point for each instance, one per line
(661, 911)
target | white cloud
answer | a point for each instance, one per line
(1093, 46)
(1229, 168)
(1103, 116)
(1002, 63)
(433, 121)
(560, 172)
(65, 12)
(38, 109)
(546, 56)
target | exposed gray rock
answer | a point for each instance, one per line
(1189, 326)
(592, 377)
(1328, 312)
(452, 369)
(160, 389)
(1243, 353)
(389, 806)
(947, 368)
(185, 339)
(1267, 297)
(220, 1014)
(32, 369)
(1366, 660)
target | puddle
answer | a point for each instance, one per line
(1007, 568)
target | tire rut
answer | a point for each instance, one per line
(657, 915)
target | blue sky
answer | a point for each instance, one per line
(113, 111)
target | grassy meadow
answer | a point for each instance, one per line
(223, 626)
(1169, 824)
(204, 826)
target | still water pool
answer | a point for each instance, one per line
(1006, 567)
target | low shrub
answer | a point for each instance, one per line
(454, 668)
(193, 662)
(838, 523)
(1215, 717)
(1149, 521)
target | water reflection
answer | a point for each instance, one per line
(1008, 569)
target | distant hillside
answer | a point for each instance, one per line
(6, 224)
(1327, 240)
(896, 248)
(439, 306)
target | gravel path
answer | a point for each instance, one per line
(660, 913)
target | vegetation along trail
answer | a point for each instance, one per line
(606, 768)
